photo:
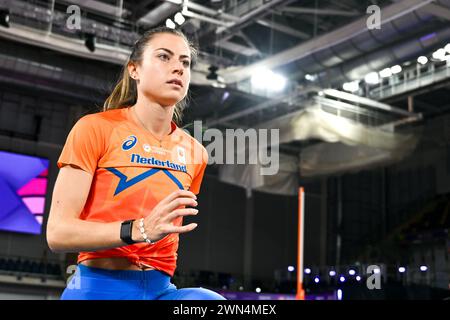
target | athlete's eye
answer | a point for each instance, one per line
(163, 57)
(186, 63)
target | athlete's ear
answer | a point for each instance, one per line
(132, 70)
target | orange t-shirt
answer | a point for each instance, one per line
(132, 171)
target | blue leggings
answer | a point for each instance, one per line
(89, 283)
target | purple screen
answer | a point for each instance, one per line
(23, 185)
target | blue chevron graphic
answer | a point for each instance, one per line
(125, 184)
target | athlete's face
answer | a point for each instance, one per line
(165, 58)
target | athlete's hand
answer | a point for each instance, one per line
(158, 223)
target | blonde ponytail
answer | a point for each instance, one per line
(124, 93)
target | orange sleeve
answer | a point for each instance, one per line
(84, 146)
(197, 180)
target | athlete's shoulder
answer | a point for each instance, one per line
(199, 151)
(103, 119)
(108, 115)
(192, 140)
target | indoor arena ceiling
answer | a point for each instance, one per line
(313, 43)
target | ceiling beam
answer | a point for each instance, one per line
(437, 10)
(327, 40)
(324, 12)
(284, 29)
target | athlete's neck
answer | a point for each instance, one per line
(154, 117)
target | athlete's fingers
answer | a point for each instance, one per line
(182, 229)
(177, 194)
(179, 213)
(175, 204)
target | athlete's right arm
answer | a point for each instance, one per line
(66, 232)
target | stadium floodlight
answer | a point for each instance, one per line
(386, 73)
(447, 47)
(352, 86)
(439, 54)
(268, 80)
(372, 78)
(179, 18)
(422, 60)
(396, 69)
(4, 18)
(170, 24)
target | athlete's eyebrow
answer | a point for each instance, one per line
(170, 52)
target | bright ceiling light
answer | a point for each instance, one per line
(447, 48)
(422, 60)
(439, 54)
(267, 79)
(372, 78)
(386, 73)
(396, 69)
(170, 24)
(179, 18)
(278, 82)
(351, 86)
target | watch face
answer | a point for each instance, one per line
(125, 232)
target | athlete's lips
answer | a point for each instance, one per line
(176, 81)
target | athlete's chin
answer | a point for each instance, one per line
(169, 100)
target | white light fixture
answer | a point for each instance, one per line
(422, 60)
(310, 77)
(351, 86)
(386, 73)
(342, 279)
(439, 54)
(278, 82)
(351, 272)
(447, 48)
(372, 78)
(267, 79)
(339, 294)
(170, 24)
(291, 268)
(258, 290)
(179, 18)
(316, 280)
(332, 273)
(396, 69)
(423, 268)
(401, 269)
(358, 278)
(307, 270)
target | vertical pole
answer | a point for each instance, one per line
(52, 12)
(300, 237)
(248, 240)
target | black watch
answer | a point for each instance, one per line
(125, 232)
